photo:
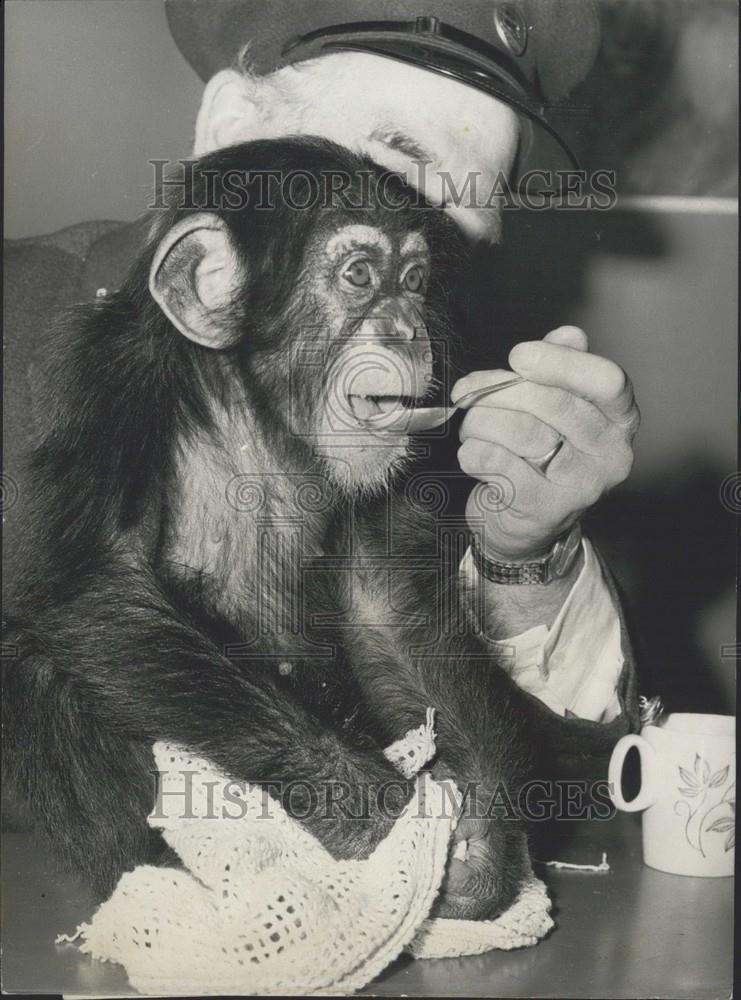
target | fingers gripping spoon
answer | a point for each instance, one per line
(426, 418)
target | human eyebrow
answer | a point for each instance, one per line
(400, 142)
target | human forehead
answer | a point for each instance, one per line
(383, 100)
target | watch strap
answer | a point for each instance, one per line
(554, 565)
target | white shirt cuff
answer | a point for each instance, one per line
(574, 666)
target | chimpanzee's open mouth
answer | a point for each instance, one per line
(368, 407)
(398, 414)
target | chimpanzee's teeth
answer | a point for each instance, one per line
(387, 403)
(364, 406)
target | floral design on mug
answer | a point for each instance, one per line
(726, 824)
(699, 784)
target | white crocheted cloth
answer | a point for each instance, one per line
(263, 907)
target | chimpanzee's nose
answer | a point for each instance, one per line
(395, 317)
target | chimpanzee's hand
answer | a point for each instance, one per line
(487, 880)
(568, 394)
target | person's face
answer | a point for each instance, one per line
(436, 131)
(403, 117)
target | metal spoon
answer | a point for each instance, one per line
(426, 418)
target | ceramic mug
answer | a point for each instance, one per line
(688, 792)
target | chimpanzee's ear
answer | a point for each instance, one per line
(194, 277)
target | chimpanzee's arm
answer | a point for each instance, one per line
(480, 727)
(480, 716)
(405, 570)
(101, 677)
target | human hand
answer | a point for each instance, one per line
(569, 395)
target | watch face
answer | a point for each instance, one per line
(564, 552)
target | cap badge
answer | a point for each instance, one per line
(511, 27)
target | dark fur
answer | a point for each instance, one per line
(119, 647)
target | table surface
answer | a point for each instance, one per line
(629, 932)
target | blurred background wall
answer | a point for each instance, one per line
(95, 89)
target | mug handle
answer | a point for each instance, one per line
(647, 795)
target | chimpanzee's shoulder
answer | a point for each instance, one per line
(42, 277)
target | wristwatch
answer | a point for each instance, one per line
(553, 566)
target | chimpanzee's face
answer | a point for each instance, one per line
(331, 317)
(365, 287)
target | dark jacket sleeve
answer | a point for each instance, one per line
(570, 747)
(572, 757)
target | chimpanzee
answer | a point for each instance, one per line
(221, 554)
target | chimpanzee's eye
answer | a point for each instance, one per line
(414, 279)
(358, 273)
